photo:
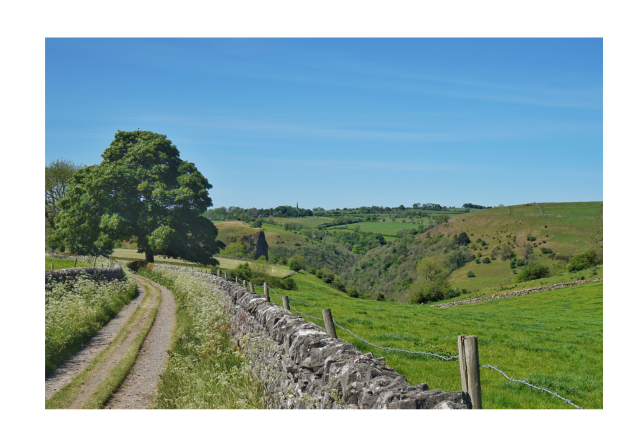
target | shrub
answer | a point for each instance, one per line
(311, 270)
(486, 260)
(297, 263)
(530, 237)
(327, 276)
(380, 297)
(464, 291)
(477, 261)
(353, 293)
(337, 283)
(533, 271)
(583, 260)
(545, 250)
(512, 265)
(521, 262)
(471, 274)
(235, 249)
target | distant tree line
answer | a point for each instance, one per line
(475, 207)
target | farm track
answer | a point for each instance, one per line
(157, 308)
(136, 392)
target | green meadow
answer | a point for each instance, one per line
(551, 339)
(58, 263)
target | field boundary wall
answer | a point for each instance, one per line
(305, 368)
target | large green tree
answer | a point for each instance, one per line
(142, 190)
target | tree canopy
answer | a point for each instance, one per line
(56, 183)
(142, 190)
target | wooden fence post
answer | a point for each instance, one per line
(244, 283)
(51, 266)
(75, 261)
(95, 258)
(266, 292)
(328, 323)
(253, 290)
(285, 302)
(236, 279)
(225, 275)
(470, 369)
(219, 272)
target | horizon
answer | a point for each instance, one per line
(344, 122)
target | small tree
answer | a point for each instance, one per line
(297, 263)
(432, 283)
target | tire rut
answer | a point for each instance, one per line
(99, 374)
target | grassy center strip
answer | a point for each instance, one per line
(117, 374)
(67, 395)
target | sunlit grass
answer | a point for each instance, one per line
(553, 339)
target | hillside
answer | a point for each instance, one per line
(565, 233)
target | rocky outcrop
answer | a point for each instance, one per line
(305, 368)
(256, 244)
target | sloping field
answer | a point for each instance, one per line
(284, 238)
(585, 209)
(551, 339)
(526, 209)
(227, 231)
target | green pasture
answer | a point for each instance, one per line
(551, 339)
(57, 263)
(284, 238)
(588, 209)
(308, 222)
(384, 228)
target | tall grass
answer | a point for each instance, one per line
(76, 309)
(205, 369)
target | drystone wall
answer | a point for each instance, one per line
(305, 368)
(65, 274)
(517, 293)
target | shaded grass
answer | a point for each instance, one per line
(553, 337)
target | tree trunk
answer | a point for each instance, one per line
(148, 255)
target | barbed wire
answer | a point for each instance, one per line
(522, 381)
(451, 358)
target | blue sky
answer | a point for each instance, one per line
(344, 122)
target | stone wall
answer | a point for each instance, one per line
(517, 293)
(305, 368)
(64, 274)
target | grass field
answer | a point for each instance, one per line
(228, 231)
(526, 209)
(308, 222)
(588, 209)
(551, 339)
(57, 263)
(284, 238)
(384, 228)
